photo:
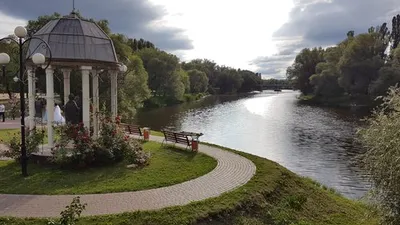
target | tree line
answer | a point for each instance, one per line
(155, 78)
(360, 66)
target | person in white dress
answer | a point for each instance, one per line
(58, 118)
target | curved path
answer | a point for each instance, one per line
(231, 172)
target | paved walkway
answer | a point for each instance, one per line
(231, 172)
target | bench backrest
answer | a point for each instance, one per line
(181, 139)
(132, 129)
(176, 137)
(169, 135)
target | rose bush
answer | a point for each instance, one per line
(77, 148)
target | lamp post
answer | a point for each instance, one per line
(4, 60)
(37, 59)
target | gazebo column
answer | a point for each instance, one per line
(85, 95)
(114, 94)
(31, 97)
(50, 105)
(95, 95)
(67, 84)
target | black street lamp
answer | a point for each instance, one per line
(38, 59)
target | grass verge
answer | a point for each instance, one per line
(273, 196)
(167, 166)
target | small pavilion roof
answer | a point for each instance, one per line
(74, 41)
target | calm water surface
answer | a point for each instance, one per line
(310, 141)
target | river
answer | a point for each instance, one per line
(310, 141)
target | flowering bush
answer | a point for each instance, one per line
(135, 154)
(119, 146)
(81, 153)
(112, 146)
(33, 139)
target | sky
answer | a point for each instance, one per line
(260, 35)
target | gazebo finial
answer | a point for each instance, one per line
(73, 6)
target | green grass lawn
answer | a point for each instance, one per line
(167, 166)
(273, 196)
(7, 134)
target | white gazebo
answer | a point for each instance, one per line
(75, 44)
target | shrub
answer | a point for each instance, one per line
(33, 139)
(135, 154)
(382, 139)
(71, 214)
(112, 146)
(81, 154)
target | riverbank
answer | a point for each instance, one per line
(344, 101)
(159, 102)
(274, 195)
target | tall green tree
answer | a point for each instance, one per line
(360, 63)
(185, 79)
(389, 75)
(163, 69)
(395, 35)
(303, 68)
(198, 81)
(134, 89)
(325, 80)
(205, 65)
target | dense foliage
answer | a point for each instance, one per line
(382, 140)
(360, 66)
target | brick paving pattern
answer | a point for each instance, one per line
(231, 172)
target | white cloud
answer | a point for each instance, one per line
(8, 24)
(231, 33)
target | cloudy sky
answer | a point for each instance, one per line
(260, 35)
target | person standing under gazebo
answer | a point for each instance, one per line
(72, 111)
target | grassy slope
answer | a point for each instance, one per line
(162, 171)
(273, 196)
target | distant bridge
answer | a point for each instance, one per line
(276, 87)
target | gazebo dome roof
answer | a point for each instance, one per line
(73, 40)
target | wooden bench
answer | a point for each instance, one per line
(133, 129)
(176, 137)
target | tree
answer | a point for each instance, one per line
(122, 49)
(134, 90)
(229, 80)
(303, 68)
(251, 81)
(381, 139)
(389, 75)
(198, 81)
(164, 78)
(185, 79)
(35, 25)
(395, 35)
(7, 83)
(325, 80)
(205, 65)
(360, 63)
